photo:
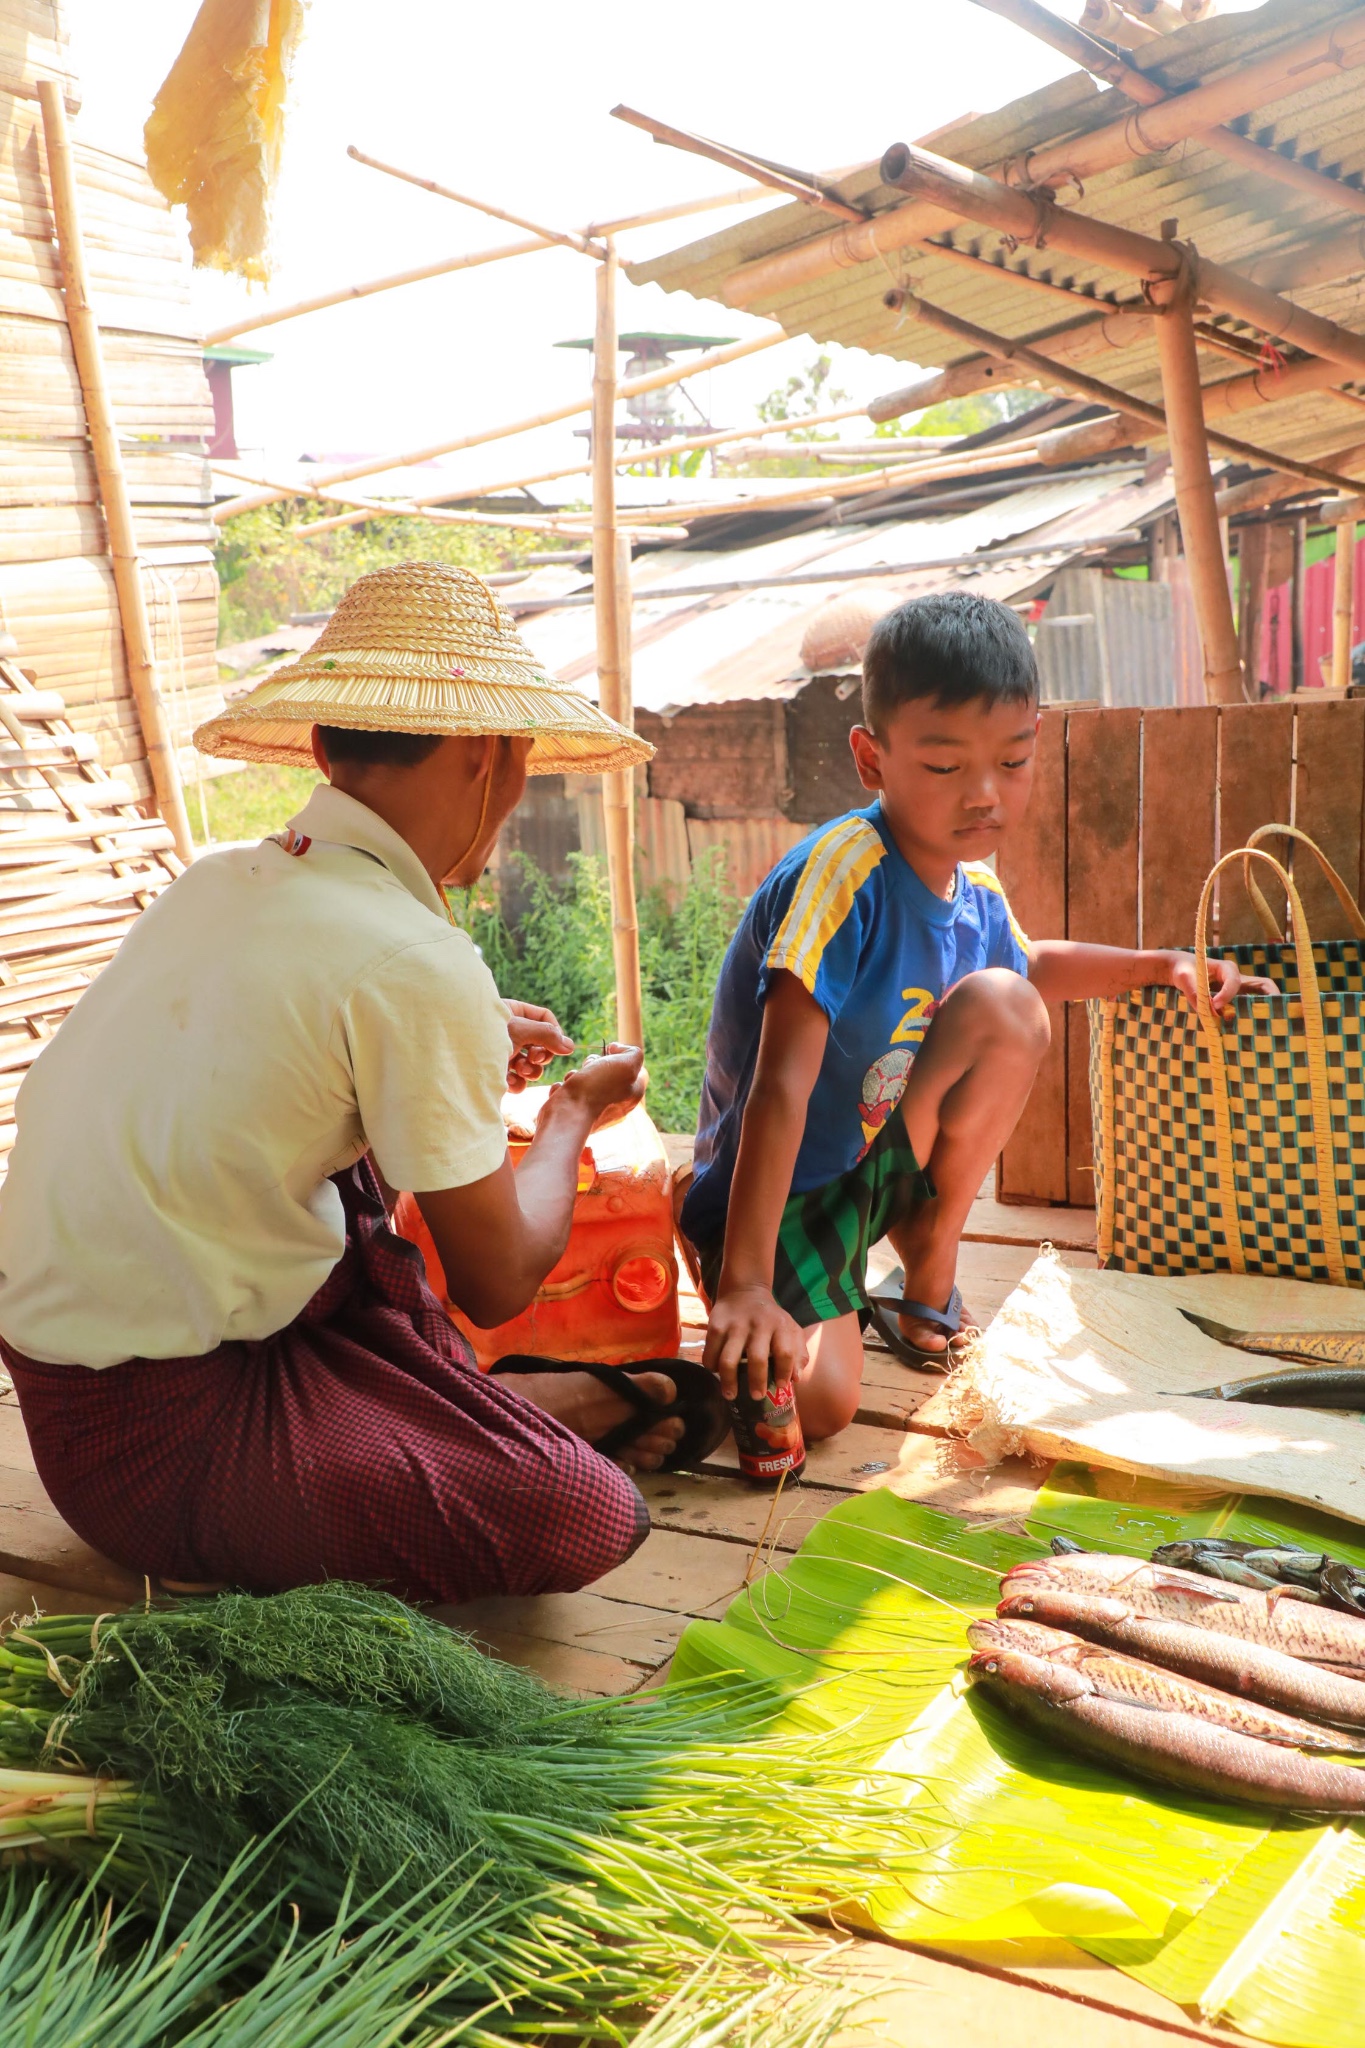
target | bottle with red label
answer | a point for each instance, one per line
(768, 1431)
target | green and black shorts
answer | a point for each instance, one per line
(823, 1241)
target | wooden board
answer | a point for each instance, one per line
(1104, 775)
(1032, 867)
(1179, 819)
(1255, 771)
(1329, 776)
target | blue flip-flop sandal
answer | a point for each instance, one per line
(887, 1301)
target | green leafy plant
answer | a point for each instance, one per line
(559, 953)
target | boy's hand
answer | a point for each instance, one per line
(1226, 982)
(746, 1322)
(537, 1038)
(609, 1084)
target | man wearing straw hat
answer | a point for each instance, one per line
(230, 1369)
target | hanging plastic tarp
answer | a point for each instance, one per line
(216, 131)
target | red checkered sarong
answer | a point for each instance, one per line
(359, 1443)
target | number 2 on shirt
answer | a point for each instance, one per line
(917, 1018)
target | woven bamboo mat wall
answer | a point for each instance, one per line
(56, 592)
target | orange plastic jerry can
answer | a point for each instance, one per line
(613, 1297)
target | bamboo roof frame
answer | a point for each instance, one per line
(271, 316)
(654, 380)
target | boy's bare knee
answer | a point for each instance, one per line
(998, 1002)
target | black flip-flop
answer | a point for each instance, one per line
(699, 1403)
(886, 1302)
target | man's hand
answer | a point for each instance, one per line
(1226, 982)
(537, 1038)
(746, 1322)
(609, 1084)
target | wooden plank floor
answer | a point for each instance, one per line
(710, 1535)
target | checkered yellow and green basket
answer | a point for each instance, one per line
(1238, 1147)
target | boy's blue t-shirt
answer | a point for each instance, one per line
(847, 915)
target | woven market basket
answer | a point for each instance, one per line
(1237, 1148)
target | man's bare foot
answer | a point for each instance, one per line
(930, 1267)
(587, 1407)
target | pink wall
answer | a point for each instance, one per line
(1318, 638)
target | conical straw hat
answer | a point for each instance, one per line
(423, 648)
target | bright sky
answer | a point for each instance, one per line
(512, 104)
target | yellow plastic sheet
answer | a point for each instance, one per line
(216, 130)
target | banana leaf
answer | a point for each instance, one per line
(1231, 1910)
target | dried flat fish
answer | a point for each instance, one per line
(1065, 1706)
(1319, 1347)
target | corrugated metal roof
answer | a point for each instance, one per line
(1233, 215)
(746, 644)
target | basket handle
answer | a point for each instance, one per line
(1311, 998)
(1263, 910)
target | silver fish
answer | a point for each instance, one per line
(1321, 1347)
(1177, 1749)
(1119, 1677)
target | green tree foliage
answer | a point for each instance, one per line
(559, 954)
(267, 572)
(808, 391)
(962, 415)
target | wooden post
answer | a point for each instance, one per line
(1344, 603)
(611, 607)
(112, 483)
(1194, 493)
(1251, 603)
(1298, 608)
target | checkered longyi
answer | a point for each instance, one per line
(361, 1442)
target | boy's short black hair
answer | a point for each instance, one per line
(377, 749)
(954, 648)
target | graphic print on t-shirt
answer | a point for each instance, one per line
(846, 915)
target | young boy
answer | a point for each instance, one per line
(880, 1018)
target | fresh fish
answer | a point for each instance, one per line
(1277, 1620)
(1323, 1347)
(1304, 1387)
(1344, 1585)
(1250, 1670)
(1119, 1677)
(1244, 1564)
(1065, 1706)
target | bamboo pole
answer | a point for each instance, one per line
(1298, 594)
(653, 380)
(113, 486)
(270, 316)
(1344, 603)
(565, 238)
(612, 614)
(662, 451)
(1051, 372)
(1034, 217)
(1194, 494)
(1251, 606)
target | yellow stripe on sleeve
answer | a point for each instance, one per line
(836, 867)
(988, 879)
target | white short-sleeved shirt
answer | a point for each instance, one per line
(271, 1016)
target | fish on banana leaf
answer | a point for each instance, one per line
(1247, 1564)
(1117, 1676)
(1250, 1670)
(1276, 1620)
(1066, 1706)
(1319, 1347)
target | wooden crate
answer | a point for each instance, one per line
(1130, 810)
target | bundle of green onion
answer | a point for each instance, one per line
(329, 1751)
